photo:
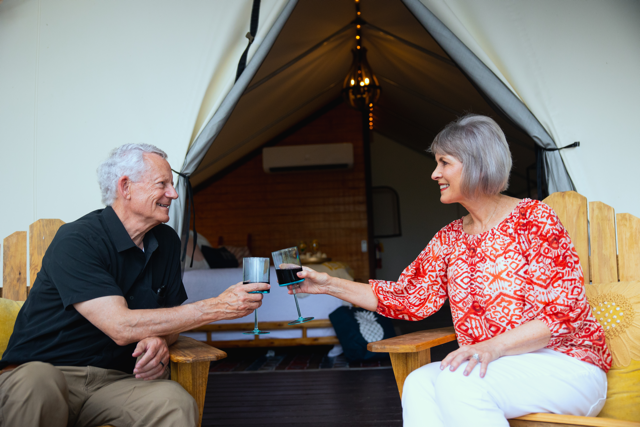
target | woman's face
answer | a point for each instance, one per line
(448, 174)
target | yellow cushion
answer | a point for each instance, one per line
(617, 307)
(8, 312)
(623, 393)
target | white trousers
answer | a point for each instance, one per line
(542, 381)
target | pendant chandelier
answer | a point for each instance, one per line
(360, 88)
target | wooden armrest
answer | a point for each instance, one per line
(188, 350)
(414, 342)
(541, 420)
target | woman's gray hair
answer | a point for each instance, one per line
(128, 160)
(480, 145)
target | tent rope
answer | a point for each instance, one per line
(543, 184)
(251, 35)
(574, 145)
(191, 208)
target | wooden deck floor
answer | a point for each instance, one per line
(317, 398)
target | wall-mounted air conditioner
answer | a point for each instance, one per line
(296, 158)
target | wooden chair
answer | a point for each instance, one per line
(605, 265)
(190, 359)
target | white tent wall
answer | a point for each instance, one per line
(218, 105)
(575, 65)
(79, 78)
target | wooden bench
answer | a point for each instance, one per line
(264, 340)
(190, 359)
(603, 265)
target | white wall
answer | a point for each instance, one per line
(422, 215)
(576, 65)
(79, 78)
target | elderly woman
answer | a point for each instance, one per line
(528, 340)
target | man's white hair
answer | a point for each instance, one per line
(128, 160)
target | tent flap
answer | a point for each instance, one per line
(496, 91)
(201, 144)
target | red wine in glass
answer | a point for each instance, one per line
(287, 263)
(288, 276)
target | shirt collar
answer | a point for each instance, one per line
(120, 237)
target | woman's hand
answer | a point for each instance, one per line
(528, 337)
(314, 282)
(486, 353)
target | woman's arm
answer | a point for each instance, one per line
(356, 293)
(528, 337)
(419, 292)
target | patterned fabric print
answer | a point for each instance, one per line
(523, 269)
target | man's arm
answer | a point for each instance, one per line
(112, 316)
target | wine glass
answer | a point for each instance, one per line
(287, 263)
(255, 270)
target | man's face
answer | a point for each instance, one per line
(152, 195)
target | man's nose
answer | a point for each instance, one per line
(172, 193)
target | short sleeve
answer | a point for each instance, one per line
(555, 282)
(421, 289)
(77, 265)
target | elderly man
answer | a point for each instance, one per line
(109, 292)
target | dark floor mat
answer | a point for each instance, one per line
(287, 359)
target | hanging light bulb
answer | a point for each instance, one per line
(367, 89)
(360, 88)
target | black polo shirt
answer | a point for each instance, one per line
(90, 258)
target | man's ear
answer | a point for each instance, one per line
(124, 187)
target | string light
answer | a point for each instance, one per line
(361, 88)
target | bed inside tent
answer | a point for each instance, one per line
(294, 99)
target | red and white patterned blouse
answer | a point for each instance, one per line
(525, 268)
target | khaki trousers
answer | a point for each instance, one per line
(40, 394)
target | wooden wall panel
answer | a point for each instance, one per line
(14, 273)
(628, 247)
(280, 210)
(604, 264)
(41, 233)
(571, 209)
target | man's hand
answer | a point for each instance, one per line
(235, 302)
(155, 358)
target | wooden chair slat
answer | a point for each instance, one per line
(41, 234)
(14, 264)
(604, 265)
(571, 208)
(628, 247)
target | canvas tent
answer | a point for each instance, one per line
(80, 78)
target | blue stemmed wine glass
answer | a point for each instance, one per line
(255, 270)
(287, 263)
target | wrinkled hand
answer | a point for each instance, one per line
(486, 351)
(154, 351)
(314, 282)
(236, 301)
